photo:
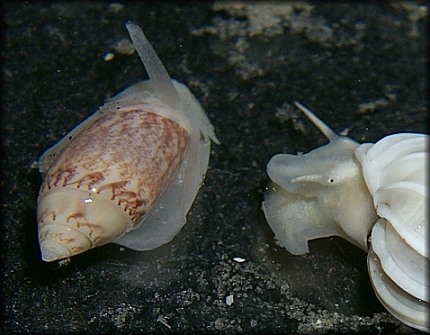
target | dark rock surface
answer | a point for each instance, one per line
(360, 67)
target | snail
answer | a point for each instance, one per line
(129, 173)
(373, 195)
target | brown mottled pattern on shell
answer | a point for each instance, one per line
(128, 157)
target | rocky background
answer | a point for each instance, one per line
(360, 67)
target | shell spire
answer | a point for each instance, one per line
(129, 173)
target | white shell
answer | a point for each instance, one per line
(130, 172)
(395, 169)
(356, 192)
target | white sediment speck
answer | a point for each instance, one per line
(108, 56)
(229, 300)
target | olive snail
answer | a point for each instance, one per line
(130, 172)
(373, 195)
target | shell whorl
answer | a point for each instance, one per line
(125, 160)
(136, 164)
(395, 170)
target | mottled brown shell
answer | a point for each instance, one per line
(130, 172)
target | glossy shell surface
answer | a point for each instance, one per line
(130, 172)
(396, 173)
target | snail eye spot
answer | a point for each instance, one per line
(331, 180)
